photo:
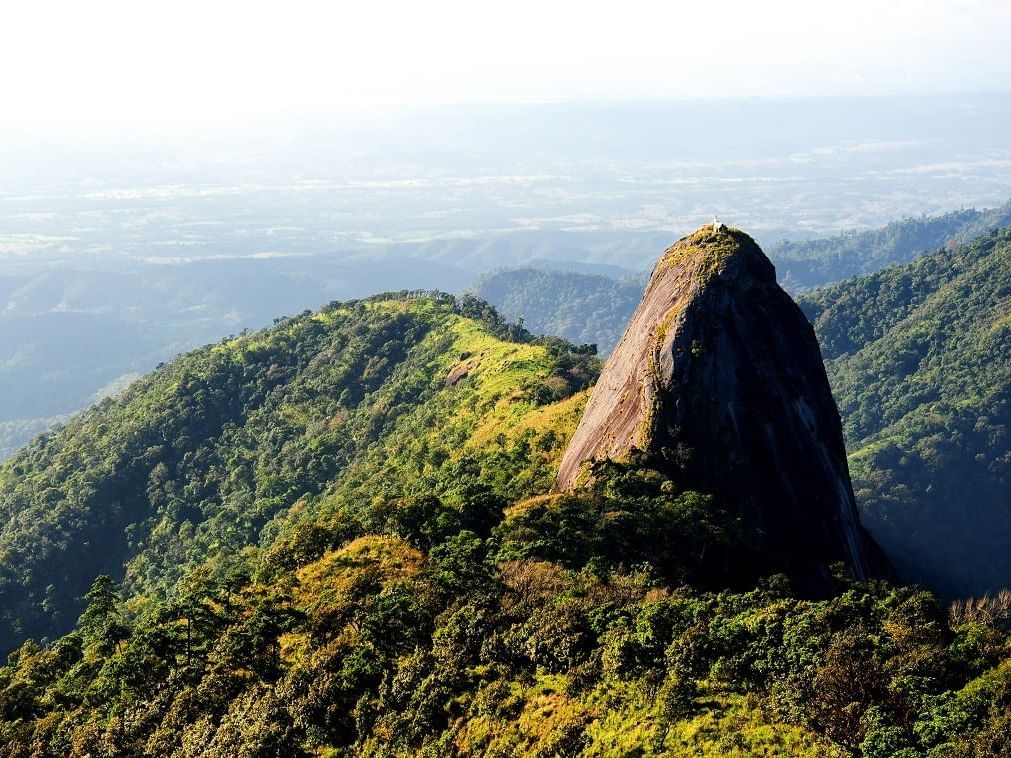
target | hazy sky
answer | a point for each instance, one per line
(165, 65)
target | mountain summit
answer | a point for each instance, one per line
(718, 382)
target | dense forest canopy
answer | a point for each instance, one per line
(214, 451)
(920, 361)
(339, 539)
(804, 265)
(586, 308)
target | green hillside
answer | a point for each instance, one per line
(214, 451)
(586, 308)
(803, 265)
(920, 361)
(69, 333)
(338, 539)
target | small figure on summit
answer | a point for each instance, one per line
(718, 226)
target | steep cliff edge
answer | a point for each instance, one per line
(718, 382)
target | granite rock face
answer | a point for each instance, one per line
(718, 382)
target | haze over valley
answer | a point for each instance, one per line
(418, 181)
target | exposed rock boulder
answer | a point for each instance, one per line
(718, 382)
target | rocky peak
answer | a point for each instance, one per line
(718, 382)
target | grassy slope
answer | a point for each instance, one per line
(442, 405)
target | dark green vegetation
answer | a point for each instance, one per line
(335, 544)
(441, 642)
(815, 263)
(586, 308)
(920, 361)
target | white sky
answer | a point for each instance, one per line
(171, 64)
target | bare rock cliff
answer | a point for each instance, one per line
(718, 382)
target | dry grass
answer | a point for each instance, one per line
(992, 610)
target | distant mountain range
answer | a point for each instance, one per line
(588, 306)
(805, 265)
(73, 332)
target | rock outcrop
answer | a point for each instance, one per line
(718, 382)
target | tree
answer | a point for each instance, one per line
(101, 622)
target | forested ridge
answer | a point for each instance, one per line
(806, 264)
(593, 307)
(586, 308)
(73, 333)
(202, 455)
(920, 361)
(339, 539)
